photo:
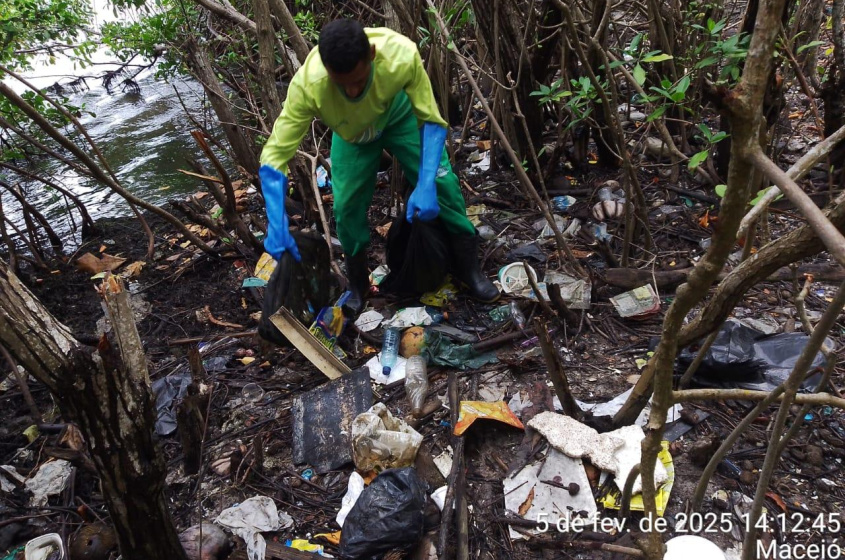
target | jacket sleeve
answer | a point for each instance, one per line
(421, 95)
(289, 129)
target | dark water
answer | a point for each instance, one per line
(145, 137)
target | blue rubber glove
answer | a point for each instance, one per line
(423, 201)
(274, 185)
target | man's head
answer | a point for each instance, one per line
(347, 54)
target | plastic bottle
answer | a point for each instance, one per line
(516, 315)
(389, 350)
(605, 194)
(416, 384)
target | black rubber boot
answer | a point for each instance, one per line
(467, 269)
(359, 283)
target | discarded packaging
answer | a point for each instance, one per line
(252, 517)
(529, 251)
(369, 320)
(439, 497)
(50, 480)
(616, 452)
(611, 407)
(546, 230)
(486, 232)
(471, 411)
(409, 317)
(613, 498)
(379, 274)
(45, 547)
(514, 277)
(562, 203)
(440, 297)
(443, 462)
(441, 351)
(380, 441)
(14, 479)
(305, 546)
(390, 513)
(322, 418)
(639, 302)
(475, 212)
(575, 292)
(353, 491)
(542, 488)
(416, 384)
(376, 369)
(745, 358)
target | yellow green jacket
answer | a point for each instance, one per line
(397, 66)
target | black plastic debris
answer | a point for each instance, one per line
(389, 514)
(168, 392)
(418, 256)
(745, 358)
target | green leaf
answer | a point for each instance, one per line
(658, 57)
(657, 113)
(683, 85)
(721, 190)
(639, 74)
(709, 61)
(803, 48)
(697, 159)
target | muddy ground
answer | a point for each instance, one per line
(599, 354)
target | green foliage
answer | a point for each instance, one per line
(581, 96)
(722, 189)
(30, 27)
(307, 24)
(710, 140)
(727, 54)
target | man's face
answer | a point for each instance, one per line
(355, 82)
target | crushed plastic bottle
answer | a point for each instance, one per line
(437, 315)
(486, 232)
(416, 384)
(389, 350)
(516, 315)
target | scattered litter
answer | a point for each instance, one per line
(574, 291)
(379, 274)
(45, 547)
(562, 203)
(639, 302)
(322, 176)
(369, 320)
(252, 392)
(745, 358)
(304, 545)
(170, 389)
(16, 479)
(542, 487)
(397, 372)
(530, 251)
(416, 384)
(610, 206)
(215, 543)
(486, 232)
(253, 282)
(409, 317)
(443, 295)
(309, 345)
(471, 411)
(412, 342)
(611, 407)
(546, 230)
(380, 441)
(252, 517)
(390, 513)
(440, 351)
(494, 385)
(439, 497)
(329, 324)
(50, 480)
(514, 277)
(322, 418)
(353, 491)
(452, 332)
(613, 498)
(616, 452)
(517, 404)
(475, 212)
(443, 462)
(766, 324)
(692, 547)
(480, 162)
(600, 232)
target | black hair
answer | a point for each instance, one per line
(343, 44)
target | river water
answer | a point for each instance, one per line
(144, 136)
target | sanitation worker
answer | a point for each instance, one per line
(369, 86)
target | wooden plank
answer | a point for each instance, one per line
(308, 345)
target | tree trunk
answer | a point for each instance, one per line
(402, 16)
(107, 394)
(240, 140)
(834, 103)
(266, 61)
(502, 30)
(300, 45)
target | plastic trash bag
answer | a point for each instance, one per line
(389, 514)
(743, 357)
(418, 256)
(381, 441)
(304, 287)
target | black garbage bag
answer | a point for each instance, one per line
(304, 288)
(418, 256)
(389, 514)
(743, 357)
